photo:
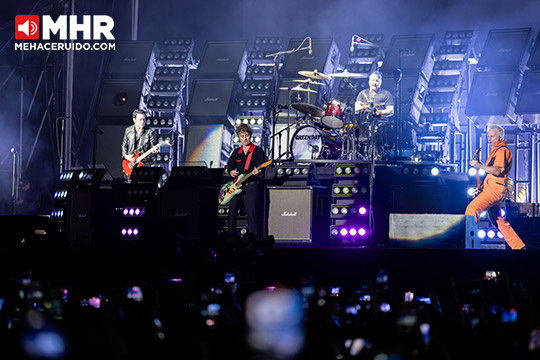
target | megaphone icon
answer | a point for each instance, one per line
(28, 28)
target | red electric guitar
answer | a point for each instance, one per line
(137, 159)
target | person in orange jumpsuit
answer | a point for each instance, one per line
(493, 192)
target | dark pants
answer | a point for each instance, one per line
(249, 197)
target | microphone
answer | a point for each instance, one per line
(310, 50)
(13, 150)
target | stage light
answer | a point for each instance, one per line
(362, 232)
(471, 191)
(343, 232)
(334, 232)
(131, 212)
(135, 232)
(435, 171)
(344, 211)
(124, 232)
(352, 232)
(503, 212)
(491, 234)
(337, 190)
(500, 235)
(297, 171)
(481, 234)
(483, 214)
(481, 172)
(129, 231)
(362, 211)
(472, 171)
(126, 212)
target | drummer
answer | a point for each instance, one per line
(381, 98)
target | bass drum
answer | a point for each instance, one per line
(310, 143)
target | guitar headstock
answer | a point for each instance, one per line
(476, 154)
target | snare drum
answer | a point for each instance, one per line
(334, 114)
(310, 143)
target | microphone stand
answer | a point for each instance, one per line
(15, 182)
(397, 91)
(275, 57)
(95, 133)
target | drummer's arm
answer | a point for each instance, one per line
(387, 111)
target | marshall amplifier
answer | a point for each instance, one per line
(298, 214)
(213, 101)
(416, 58)
(324, 57)
(223, 59)
(130, 59)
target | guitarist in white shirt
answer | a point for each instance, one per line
(244, 160)
(138, 138)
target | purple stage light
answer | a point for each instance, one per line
(126, 212)
(362, 211)
(129, 231)
(124, 232)
(343, 232)
(131, 212)
(362, 232)
(352, 232)
(135, 232)
(137, 212)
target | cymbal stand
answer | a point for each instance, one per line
(275, 57)
(372, 131)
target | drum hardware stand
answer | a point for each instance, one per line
(372, 115)
(275, 57)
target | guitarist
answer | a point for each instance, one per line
(244, 160)
(493, 189)
(138, 138)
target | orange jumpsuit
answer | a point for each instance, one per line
(493, 193)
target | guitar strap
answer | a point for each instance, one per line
(248, 160)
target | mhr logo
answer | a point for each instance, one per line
(93, 27)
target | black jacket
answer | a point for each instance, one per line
(130, 145)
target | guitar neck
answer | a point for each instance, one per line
(147, 152)
(251, 173)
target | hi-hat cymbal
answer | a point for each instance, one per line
(346, 74)
(308, 81)
(306, 108)
(299, 88)
(315, 75)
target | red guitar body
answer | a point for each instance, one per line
(128, 166)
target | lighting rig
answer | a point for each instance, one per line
(349, 211)
(168, 96)
(258, 88)
(440, 132)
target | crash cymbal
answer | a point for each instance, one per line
(305, 108)
(299, 88)
(315, 75)
(308, 81)
(346, 74)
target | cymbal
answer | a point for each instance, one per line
(315, 75)
(306, 108)
(299, 88)
(346, 74)
(308, 81)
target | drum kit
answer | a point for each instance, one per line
(334, 132)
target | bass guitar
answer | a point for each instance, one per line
(232, 188)
(137, 159)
